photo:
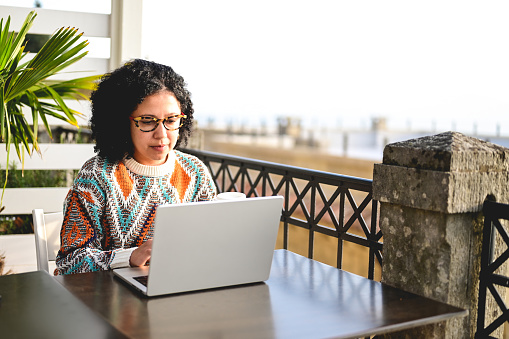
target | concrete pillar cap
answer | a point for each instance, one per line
(448, 172)
(447, 152)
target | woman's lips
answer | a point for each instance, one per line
(159, 148)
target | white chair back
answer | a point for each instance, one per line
(47, 237)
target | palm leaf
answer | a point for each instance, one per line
(10, 43)
(3, 113)
(71, 89)
(45, 122)
(24, 84)
(58, 52)
(63, 105)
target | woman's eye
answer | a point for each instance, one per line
(147, 121)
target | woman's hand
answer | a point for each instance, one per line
(141, 255)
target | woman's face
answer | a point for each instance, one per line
(152, 148)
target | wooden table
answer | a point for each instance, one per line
(34, 305)
(302, 299)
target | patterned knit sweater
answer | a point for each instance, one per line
(110, 209)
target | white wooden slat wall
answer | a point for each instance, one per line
(19, 201)
(93, 25)
(55, 157)
(49, 20)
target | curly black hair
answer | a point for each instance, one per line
(117, 96)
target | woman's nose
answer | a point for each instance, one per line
(160, 131)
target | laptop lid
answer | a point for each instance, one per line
(210, 244)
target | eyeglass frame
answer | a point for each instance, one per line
(158, 121)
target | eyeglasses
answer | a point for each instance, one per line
(148, 124)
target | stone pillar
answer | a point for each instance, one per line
(431, 191)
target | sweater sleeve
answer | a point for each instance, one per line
(83, 237)
(121, 258)
(207, 189)
(80, 237)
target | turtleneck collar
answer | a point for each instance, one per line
(152, 171)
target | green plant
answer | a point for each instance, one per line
(16, 224)
(34, 178)
(25, 84)
(22, 224)
(2, 265)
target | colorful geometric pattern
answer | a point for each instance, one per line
(109, 208)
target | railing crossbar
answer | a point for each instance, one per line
(297, 172)
(296, 222)
(357, 216)
(498, 279)
(327, 208)
(498, 262)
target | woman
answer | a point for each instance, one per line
(140, 113)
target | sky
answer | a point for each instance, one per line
(442, 63)
(336, 61)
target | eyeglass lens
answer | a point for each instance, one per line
(147, 124)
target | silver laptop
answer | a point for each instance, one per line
(209, 244)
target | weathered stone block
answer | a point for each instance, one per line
(447, 192)
(448, 152)
(431, 192)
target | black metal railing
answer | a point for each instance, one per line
(325, 204)
(491, 261)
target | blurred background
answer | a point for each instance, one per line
(342, 77)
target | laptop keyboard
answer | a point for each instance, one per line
(142, 279)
